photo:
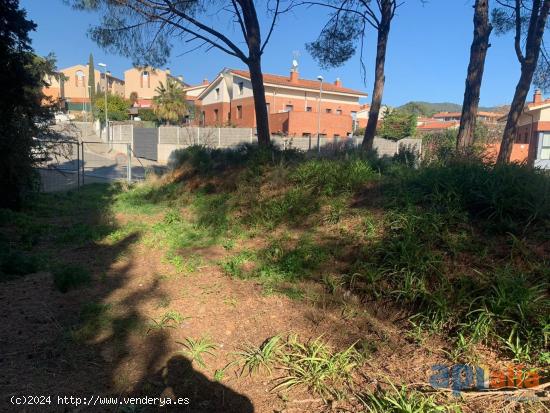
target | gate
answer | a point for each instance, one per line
(146, 143)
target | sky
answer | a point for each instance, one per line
(427, 55)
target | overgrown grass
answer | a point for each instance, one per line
(70, 276)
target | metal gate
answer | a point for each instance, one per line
(146, 143)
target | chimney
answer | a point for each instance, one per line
(205, 81)
(338, 82)
(537, 98)
(293, 76)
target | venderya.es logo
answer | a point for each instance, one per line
(460, 377)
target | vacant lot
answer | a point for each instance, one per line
(266, 282)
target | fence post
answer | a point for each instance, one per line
(250, 135)
(178, 135)
(82, 163)
(198, 136)
(129, 156)
(219, 137)
(132, 136)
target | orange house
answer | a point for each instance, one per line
(293, 104)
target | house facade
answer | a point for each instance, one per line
(534, 130)
(142, 82)
(72, 86)
(292, 103)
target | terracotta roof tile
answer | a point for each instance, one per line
(302, 83)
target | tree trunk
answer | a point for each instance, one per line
(254, 62)
(379, 77)
(260, 104)
(478, 53)
(536, 28)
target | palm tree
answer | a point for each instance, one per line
(169, 104)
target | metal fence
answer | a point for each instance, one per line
(69, 164)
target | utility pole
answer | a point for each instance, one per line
(104, 66)
(320, 79)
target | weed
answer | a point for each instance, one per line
(17, 263)
(94, 317)
(400, 401)
(170, 319)
(315, 365)
(254, 358)
(70, 276)
(219, 375)
(196, 349)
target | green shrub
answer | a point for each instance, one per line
(503, 198)
(330, 177)
(70, 276)
(18, 263)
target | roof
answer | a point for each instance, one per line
(300, 83)
(459, 114)
(437, 125)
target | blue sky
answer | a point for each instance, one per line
(427, 54)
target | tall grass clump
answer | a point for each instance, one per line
(503, 198)
(330, 177)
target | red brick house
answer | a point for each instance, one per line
(534, 130)
(292, 104)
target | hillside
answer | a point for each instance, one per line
(258, 281)
(429, 108)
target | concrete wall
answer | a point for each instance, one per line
(231, 137)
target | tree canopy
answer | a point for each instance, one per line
(24, 110)
(169, 104)
(117, 107)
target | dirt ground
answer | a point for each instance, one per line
(127, 356)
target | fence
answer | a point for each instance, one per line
(69, 164)
(169, 138)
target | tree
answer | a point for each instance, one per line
(397, 125)
(91, 81)
(143, 30)
(21, 114)
(133, 98)
(337, 43)
(528, 22)
(117, 107)
(478, 53)
(169, 103)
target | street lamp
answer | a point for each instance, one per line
(104, 66)
(320, 79)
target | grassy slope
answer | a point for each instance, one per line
(461, 250)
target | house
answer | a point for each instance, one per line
(292, 104)
(141, 83)
(430, 125)
(74, 88)
(482, 116)
(534, 129)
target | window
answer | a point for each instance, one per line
(268, 107)
(353, 115)
(241, 88)
(306, 135)
(203, 116)
(216, 115)
(545, 150)
(145, 79)
(217, 93)
(308, 109)
(239, 112)
(79, 77)
(328, 110)
(336, 136)
(338, 111)
(289, 108)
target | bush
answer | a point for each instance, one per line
(70, 276)
(330, 177)
(503, 198)
(18, 263)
